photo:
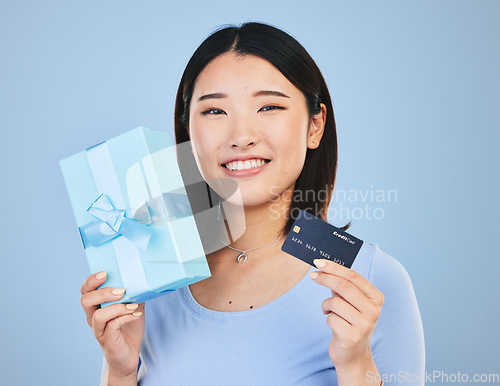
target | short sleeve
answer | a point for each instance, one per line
(397, 344)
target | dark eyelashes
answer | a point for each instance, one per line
(211, 112)
(273, 108)
(214, 111)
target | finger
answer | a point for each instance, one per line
(339, 306)
(342, 287)
(90, 284)
(123, 320)
(102, 317)
(92, 300)
(325, 310)
(348, 274)
(338, 324)
(93, 281)
(102, 295)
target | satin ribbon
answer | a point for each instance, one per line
(167, 207)
(112, 223)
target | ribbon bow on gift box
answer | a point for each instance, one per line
(112, 223)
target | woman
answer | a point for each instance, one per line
(257, 112)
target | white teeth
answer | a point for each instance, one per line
(248, 164)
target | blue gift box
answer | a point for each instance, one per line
(134, 216)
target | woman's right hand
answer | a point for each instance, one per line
(120, 344)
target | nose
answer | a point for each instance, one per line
(243, 133)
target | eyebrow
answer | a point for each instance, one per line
(219, 95)
(269, 92)
(216, 95)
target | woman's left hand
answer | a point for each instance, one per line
(353, 311)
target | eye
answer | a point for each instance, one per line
(271, 107)
(213, 111)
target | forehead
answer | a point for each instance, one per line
(230, 71)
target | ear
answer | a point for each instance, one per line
(316, 128)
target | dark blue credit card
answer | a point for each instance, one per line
(312, 238)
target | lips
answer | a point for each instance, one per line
(249, 172)
(244, 158)
(246, 165)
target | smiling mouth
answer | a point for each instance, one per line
(246, 165)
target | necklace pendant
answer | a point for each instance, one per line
(241, 258)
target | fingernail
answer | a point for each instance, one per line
(132, 306)
(319, 263)
(137, 313)
(118, 291)
(313, 275)
(100, 275)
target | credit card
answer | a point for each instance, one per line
(312, 238)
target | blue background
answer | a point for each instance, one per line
(415, 91)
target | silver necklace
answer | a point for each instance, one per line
(242, 257)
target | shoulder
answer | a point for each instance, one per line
(399, 325)
(382, 269)
(390, 277)
(400, 315)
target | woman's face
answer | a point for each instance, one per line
(243, 108)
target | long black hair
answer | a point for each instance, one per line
(295, 63)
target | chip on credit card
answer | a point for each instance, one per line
(312, 238)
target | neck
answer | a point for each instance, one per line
(249, 227)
